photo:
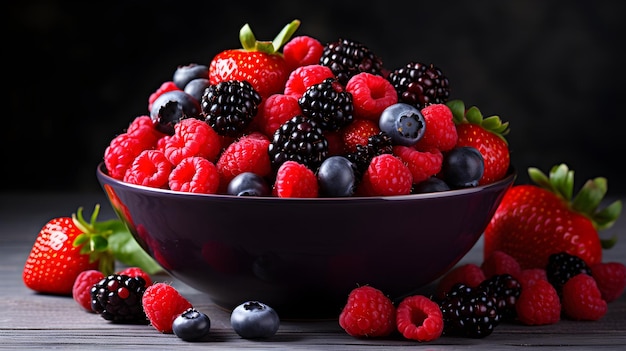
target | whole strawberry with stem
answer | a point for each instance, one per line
(258, 62)
(534, 221)
(487, 135)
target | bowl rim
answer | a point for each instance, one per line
(102, 176)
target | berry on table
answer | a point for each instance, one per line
(581, 299)
(136, 272)
(499, 262)
(369, 313)
(563, 266)
(611, 279)
(162, 303)
(191, 325)
(117, 298)
(419, 318)
(81, 291)
(254, 319)
(538, 304)
(469, 312)
(469, 274)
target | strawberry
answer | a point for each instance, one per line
(484, 134)
(534, 221)
(257, 62)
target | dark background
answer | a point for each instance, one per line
(77, 74)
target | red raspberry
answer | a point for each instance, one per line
(151, 168)
(195, 175)
(274, 111)
(247, 154)
(386, 175)
(192, 137)
(419, 318)
(301, 78)
(499, 262)
(440, 128)
(368, 313)
(469, 274)
(530, 276)
(302, 51)
(164, 88)
(582, 300)
(611, 279)
(422, 164)
(137, 272)
(121, 152)
(294, 179)
(162, 303)
(371, 94)
(357, 133)
(538, 304)
(81, 290)
(142, 127)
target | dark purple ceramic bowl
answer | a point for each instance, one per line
(303, 256)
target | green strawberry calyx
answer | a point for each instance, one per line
(587, 201)
(110, 241)
(250, 43)
(473, 115)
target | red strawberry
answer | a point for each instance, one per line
(258, 62)
(357, 133)
(534, 221)
(65, 247)
(486, 135)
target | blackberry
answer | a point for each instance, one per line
(420, 85)
(230, 106)
(328, 104)
(346, 58)
(469, 312)
(377, 144)
(299, 139)
(562, 266)
(117, 298)
(506, 290)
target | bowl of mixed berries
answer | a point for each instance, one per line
(292, 171)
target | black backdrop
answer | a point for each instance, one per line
(78, 73)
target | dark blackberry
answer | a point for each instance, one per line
(230, 106)
(346, 58)
(469, 312)
(299, 139)
(506, 290)
(377, 144)
(562, 266)
(117, 298)
(328, 104)
(419, 85)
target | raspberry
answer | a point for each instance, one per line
(274, 111)
(440, 128)
(530, 276)
(611, 279)
(302, 51)
(368, 313)
(499, 262)
(121, 152)
(142, 127)
(151, 168)
(164, 88)
(81, 290)
(195, 175)
(582, 300)
(162, 303)
(294, 179)
(192, 137)
(357, 133)
(371, 94)
(469, 274)
(386, 175)
(248, 154)
(419, 318)
(137, 272)
(538, 304)
(422, 164)
(304, 77)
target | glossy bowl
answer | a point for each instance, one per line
(303, 256)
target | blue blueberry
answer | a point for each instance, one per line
(187, 73)
(191, 325)
(430, 185)
(196, 87)
(335, 177)
(171, 107)
(254, 319)
(248, 184)
(463, 167)
(404, 123)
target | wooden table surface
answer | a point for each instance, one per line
(31, 321)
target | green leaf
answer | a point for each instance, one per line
(246, 37)
(473, 115)
(285, 34)
(128, 251)
(458, 110)
(607, 216)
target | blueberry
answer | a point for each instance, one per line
(248, 184)
(187, 73)
(191, 325)
(404, 123)
(254, 319)
(335, 177)
(171, 107)
(196, 87)
(430, 185)
(463, 167)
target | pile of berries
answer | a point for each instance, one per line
(471, 300)
(315, 120)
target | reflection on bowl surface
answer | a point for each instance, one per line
(303, 256)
